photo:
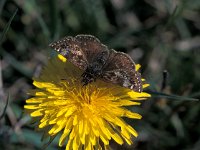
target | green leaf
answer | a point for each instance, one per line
(174, 97)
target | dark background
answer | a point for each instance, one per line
(161, 35)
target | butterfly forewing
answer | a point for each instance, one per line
(71, 49)
(131, 80)
(91, 47)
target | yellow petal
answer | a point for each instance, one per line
(31, 107)
(37, 113)
(137, 67)
(132, 115)
(62, 58)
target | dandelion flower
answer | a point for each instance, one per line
(87, 117)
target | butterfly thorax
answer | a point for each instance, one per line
(91, 73)
(94, 70)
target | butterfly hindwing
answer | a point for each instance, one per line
(120, 69)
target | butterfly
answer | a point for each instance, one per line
(98, 62)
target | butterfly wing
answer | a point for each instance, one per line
(120, 69)
(91, 47)
(81, 50)
(70, 49)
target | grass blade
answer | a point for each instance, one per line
(4, 110)
(7, 26)
(169, 96)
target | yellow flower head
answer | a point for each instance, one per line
(87, 117)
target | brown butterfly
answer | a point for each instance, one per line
(98, 62)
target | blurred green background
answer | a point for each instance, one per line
(161, 35)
